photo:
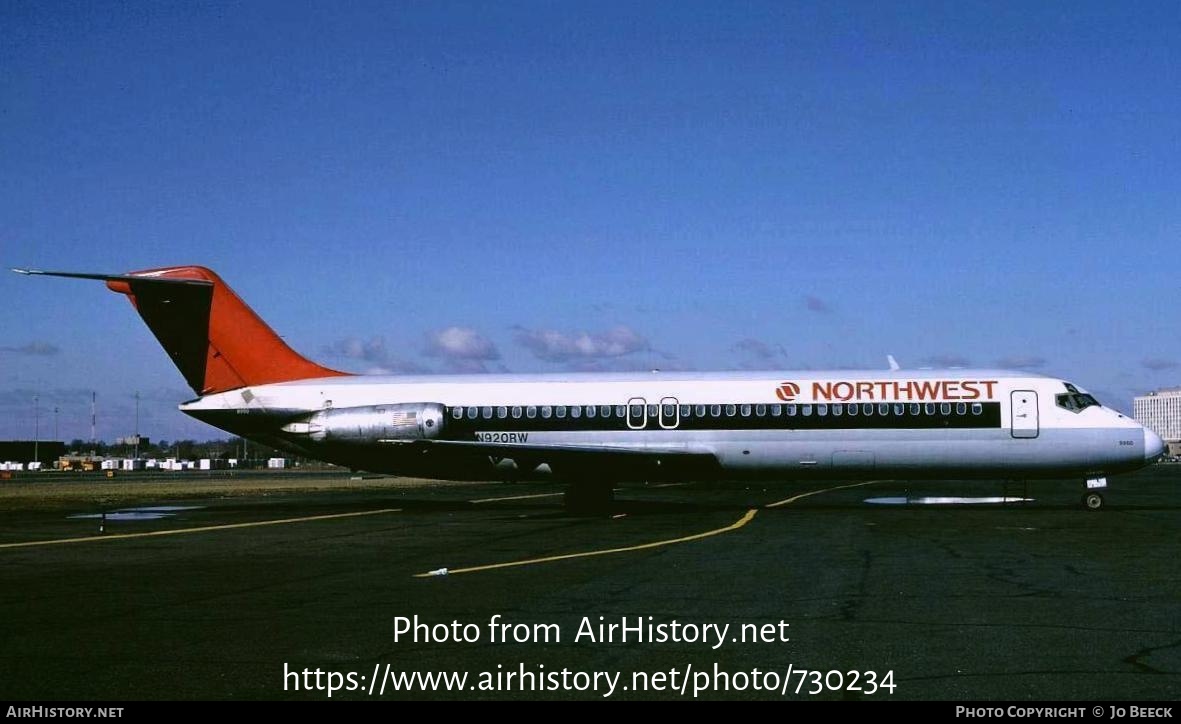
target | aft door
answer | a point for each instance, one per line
(1025, 423)
(637, 413)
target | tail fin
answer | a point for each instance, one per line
(216, 341)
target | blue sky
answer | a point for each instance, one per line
(542, 186)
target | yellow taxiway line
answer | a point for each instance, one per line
(746, 518)
(515, 497)
(201, 529)
(794, 498)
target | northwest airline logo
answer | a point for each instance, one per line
(891, 390)
(787, 391)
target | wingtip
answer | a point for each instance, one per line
(26, 272)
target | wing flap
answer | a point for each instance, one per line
(649, 462)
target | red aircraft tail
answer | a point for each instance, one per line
(216, 341)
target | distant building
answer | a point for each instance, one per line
(1160, 411)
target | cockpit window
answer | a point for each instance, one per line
(1075, 401)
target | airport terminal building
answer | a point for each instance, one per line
(1160, 411)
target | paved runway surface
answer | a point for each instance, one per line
(1033, 600)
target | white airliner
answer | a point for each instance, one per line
(594, 429)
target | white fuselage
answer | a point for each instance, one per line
(789, 424)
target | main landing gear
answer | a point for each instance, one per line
(1093, 499)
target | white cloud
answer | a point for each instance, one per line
(554, 346)
(1157, 364)
(1021, 362)
(38, 349)
(460, 343)
(816, 304)
(947, 360)
(757, 354)
(373, 351)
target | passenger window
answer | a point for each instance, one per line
(699, 410)
(653, 410)
(668, 412)
(605, 411)
(805, 409)
(621, 411)
(945, 408)
(715, 411)
(746, 410)
(899, 410)
(822, 410)
(760, 410)
(731, 410)
(867, 408)
(977, 408)
(686, 410)
(472, 413)
(531, 412)
(929, 408)
(637, 411)
(776, 410)
(516, 412)
(591, 410)
(838, 409)
(502, 412)
(791, 410)
(546, 411)
(961, 408)
(883, 409)
(486, 412)
(916, 408)
(457, 413)
(576, 411)
(560, 410)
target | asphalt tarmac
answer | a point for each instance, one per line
(826, 590)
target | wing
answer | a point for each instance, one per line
(649, 462)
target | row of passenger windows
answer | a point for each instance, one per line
(897, 409)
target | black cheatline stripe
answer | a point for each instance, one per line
(989, 417)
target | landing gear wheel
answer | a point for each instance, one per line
(586, 498)
(1093, 501)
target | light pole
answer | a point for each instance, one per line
(137, 424)
(56, 436)
(36, 427)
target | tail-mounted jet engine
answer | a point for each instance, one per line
(372, 423)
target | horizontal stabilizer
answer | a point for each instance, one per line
(216, 341)
(139, 279)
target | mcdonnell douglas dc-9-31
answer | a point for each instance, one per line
(595, 429)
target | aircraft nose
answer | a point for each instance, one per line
(1153, 445)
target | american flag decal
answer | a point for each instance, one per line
(404, 419)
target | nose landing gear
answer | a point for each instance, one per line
(1093, 499)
